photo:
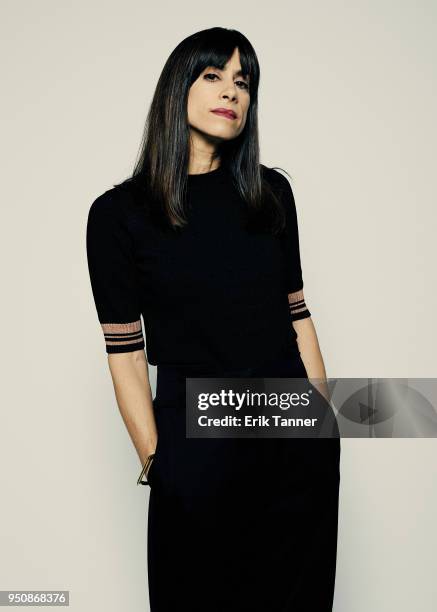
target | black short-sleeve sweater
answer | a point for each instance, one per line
(212, 293)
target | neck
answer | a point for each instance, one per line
(203, 157)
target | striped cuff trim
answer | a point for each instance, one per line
(298, 309)
(122, 334)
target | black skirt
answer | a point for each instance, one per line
(240, 524)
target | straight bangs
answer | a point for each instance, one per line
(216, 49)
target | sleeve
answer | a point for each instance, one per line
(113, 277)
(291, 250)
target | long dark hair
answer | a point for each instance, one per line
(161, 168)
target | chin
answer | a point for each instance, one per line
(223, 134)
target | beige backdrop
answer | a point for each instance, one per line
(347, 106)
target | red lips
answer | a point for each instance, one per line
(226, 112)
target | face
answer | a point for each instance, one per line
(223, 89)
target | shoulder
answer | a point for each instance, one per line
(280, 185)
(114, 204)
(276, 177)
(104, 204)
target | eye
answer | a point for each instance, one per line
(209, 74)
(243, 85)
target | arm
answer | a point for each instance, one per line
(311, 356)
(307, 342)
(300, 315)
(114, 282)
(306, 335)
(130, 377)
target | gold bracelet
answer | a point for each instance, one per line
(143, 471)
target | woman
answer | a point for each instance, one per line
(202, 241)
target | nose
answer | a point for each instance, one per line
(231, 96)
(231, 91)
